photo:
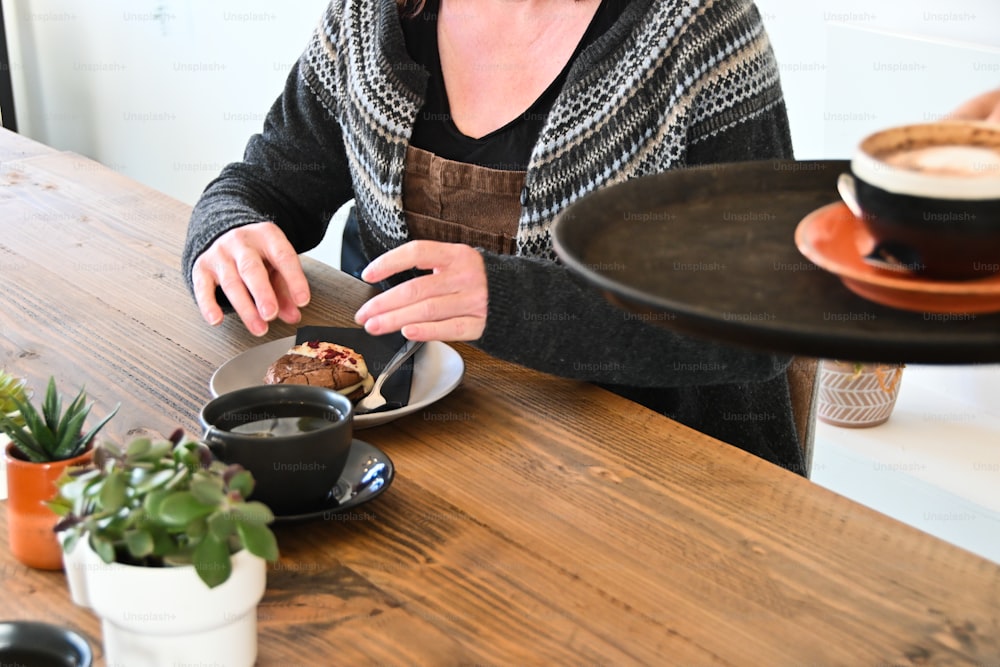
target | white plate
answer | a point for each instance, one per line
(437, 369)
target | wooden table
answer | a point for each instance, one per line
(533, 520)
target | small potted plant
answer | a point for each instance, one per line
(42, 445)
(856, 394)
(161, 543)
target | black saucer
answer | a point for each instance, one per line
(367, 474)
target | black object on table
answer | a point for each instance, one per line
(710, 251)
(7, 114)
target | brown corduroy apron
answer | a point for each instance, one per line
(457, 202)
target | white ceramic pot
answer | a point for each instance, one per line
(163, 617)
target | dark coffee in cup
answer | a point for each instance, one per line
(278, 421)
(932, 192)
(294, 439)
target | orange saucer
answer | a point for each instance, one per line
(833, 239)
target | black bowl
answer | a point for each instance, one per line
(42, 645)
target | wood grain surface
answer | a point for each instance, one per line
(533, 520)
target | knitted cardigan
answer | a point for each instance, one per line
(672, 83)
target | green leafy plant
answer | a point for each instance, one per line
(52, 434)
(162, 503)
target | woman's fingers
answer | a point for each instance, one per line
(258, 271)
(981, 107)
(413, 255)
(450, 303)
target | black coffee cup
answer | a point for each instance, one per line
(931, 192)
(294, 439)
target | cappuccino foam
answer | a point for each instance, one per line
(949, 160)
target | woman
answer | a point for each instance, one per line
(461, 128)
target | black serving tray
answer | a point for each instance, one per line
(710, 251)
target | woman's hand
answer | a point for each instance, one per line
(258, 271)
(982, 107)
(447, 304)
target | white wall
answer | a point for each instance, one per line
(166, 91)
(849, 67)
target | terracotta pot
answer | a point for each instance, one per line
(29, 520)
(854, 399)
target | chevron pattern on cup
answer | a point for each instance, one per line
(857, 400)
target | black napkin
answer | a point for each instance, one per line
(377, 351)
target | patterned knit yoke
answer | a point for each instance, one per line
(667, 75)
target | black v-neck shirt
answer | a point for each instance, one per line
(508, 147)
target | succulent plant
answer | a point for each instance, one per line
(53, 434)
(162, 503)
(12, 388)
